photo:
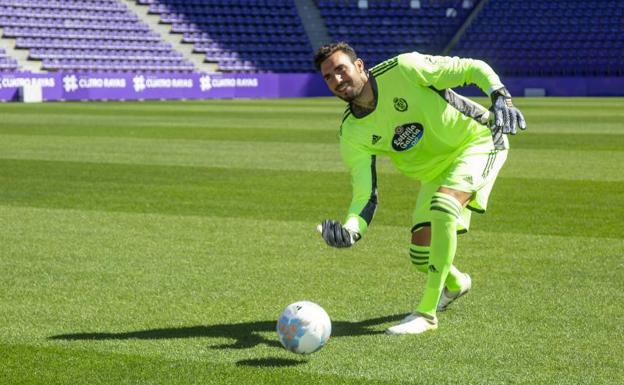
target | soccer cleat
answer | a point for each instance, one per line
(448, 297)
(414, 323)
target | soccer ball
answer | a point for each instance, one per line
(304, 327)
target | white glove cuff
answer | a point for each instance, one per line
(353, 225)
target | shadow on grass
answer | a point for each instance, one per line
(245, 335)
(270, 362)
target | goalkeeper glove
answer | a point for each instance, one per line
(336, 235)
(505, 116)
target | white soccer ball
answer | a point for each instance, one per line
(304, 327)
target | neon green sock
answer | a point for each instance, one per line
(445, 210)
(452, 280)
(419, 256)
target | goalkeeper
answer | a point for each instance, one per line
(405, 109)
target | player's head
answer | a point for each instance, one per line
(342, 70)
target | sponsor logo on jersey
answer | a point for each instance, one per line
(406, 136)
(376, 139)
(400, 104)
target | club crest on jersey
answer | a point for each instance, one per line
(400, 104)
(406, 136)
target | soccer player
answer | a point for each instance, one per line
(404, 108)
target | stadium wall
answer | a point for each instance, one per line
(73, 86)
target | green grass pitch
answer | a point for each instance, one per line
(157, 243)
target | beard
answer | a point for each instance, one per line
(351, 92)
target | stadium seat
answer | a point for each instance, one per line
(244, 29)
(555, 38)
(100, 35)
(386, 29)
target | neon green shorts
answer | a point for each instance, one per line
(475, 172)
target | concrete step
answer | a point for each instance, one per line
(8, 44)
(175, 39)
(313, 23)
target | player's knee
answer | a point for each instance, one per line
(419, 255)
(461, 197)
(445, 207)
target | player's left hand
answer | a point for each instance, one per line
(336, 235)
(505, 116)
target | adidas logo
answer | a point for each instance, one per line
(433, 269)
(468, 179)
(376, 138)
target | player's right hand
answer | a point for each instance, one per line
(336, 235)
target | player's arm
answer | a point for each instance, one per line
(362, 166)
(442, 72)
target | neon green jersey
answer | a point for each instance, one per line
(418, 122)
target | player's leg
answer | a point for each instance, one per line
(468, 183)
(419, 253)
(421, 234)
(457, 283)
(446, 207)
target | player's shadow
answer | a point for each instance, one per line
(245, 335)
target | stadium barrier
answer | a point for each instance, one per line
(74, 86)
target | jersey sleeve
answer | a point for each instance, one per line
(362, 166)
(442, 72)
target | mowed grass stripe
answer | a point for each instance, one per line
(177, 125)
(232, 154)
(540, 163)
(173, 108)
(571, 165)
(276, 131)
(110, 116)
(545, 206)
(30, 365)
(561, 116)
(183, 120)
(279, 129)
(172, 287)
(577, 142)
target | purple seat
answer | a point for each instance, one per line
(242, 27)
(78, 34)
(579, 40)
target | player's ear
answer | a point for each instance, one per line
(359, 64)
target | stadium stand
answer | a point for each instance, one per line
(386, 28)
(241, 35)
(552, 38)
(94, 35)
(560, 38)
(7, 63)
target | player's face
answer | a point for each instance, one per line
(345, 79)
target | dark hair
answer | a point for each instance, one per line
(329, 49)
